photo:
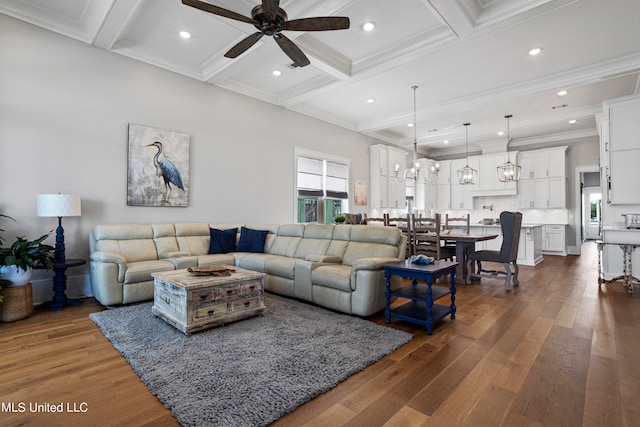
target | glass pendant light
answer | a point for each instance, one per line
(508, 171)
(414, 172)
(467, 175)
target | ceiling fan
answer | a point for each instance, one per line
(270, 20)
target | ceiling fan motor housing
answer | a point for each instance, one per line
(268, 27)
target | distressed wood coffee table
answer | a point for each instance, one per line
(192, 303)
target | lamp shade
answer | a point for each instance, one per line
(58, 205)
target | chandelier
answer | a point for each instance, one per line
(508, 171)
(467, 175)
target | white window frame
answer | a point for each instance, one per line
(325, 157)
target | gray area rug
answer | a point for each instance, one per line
(251, 372)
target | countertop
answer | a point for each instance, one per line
(498, 225)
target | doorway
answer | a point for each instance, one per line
(591, 213)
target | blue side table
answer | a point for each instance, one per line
(421, 309)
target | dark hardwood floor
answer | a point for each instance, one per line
(557, 351)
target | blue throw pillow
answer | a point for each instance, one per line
(252, 240)
(222, 241)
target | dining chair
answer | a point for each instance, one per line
(404, 225)
(354, 218)
(426, 238)
(374, 221)
(456, 225)
(511, 223)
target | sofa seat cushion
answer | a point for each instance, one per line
(141, 271)
(336, 276)
(252, 261)
(281, 266)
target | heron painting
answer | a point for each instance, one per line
(158, 172)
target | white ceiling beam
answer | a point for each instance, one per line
(117, 23)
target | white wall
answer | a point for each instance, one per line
(64, 111)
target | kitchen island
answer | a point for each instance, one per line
(530, 246)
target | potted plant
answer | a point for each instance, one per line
(340, 219)
(17, 260)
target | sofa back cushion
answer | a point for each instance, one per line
(372, 242)
(193, 237)
(134, 242)
(317, 238)
(164, 236)
(287, 240)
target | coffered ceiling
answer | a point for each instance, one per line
(469, 59)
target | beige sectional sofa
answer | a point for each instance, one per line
(335, 266)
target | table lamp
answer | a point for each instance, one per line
(59, 205)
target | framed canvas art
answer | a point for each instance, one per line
(361, 190)
(158, 168)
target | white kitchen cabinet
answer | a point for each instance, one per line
(444, 176)
(443, 196)
(542, 193)
(387, 166)
(623, 149)
(542, 182)
(554, 237)
(547, 163)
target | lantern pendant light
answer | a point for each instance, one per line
(467, 175)
(508, 171)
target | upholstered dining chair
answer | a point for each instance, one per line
(511, 223)
(425, 238)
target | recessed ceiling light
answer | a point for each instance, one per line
(573, 121)
(446, 141)
(368, 26)
(500, 133)
(535, 51)
(185, 34)
(276, 72)
(562, 93)
(371, 100)
(410, 125)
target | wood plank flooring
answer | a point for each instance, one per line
(557, 351)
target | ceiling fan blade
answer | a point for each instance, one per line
(270, 8)
(243, 45)
(292, 51)
(218, 11)
(323, 23)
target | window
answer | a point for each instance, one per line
(322, 184)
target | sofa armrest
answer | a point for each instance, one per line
(111, 257)
(372, 263)
(324, 258)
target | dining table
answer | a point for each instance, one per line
(464, 242)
